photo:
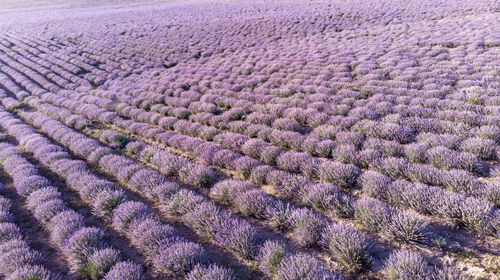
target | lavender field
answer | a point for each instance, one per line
(278, 140)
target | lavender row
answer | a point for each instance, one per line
(232, 234)
(339, 204)
(350, 247)
(484, 148)
(405, 227)
(17, 259)
(288, 116)
(47, 68)
(33, 75)
(301, 224)
(458, 181)
(85, 248)
(345, 175)
(347, 245)
(49, 60)
(302, 116)
(40, 50)
(321, 197)
(487, 155)
(285, 121)
(458, 210)
(86, 59)
(171, 199)
(439, 177)
(417, 234)
(26, 60)
(170, 254)
(468, 162)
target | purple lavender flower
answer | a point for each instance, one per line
(290, 161)
(146, 179)
(368, 157)
(306, 226)
(253, 147)
(197, 175)
(63, 225)
(461, 181)
(44, 212)
(259, 174)
(277, 214)
(225, 191)
(342, 175)
(125, 270)
(210, 273)
(28, 185)
(406, 227)
(405, 264)
(325, 148)
(42, 195)
(416, 152)
(237, 236)
(425, 174)
(431, 140)
(289, 185)
(129, 211)
(484, 148)
(9, 231)
(448, 273)
(205, 219)
(91, 188)
(224, 158)
(489, 132)
(372, 214)
(101, 261)
(346, 154)
(350, 138)
(286, 124)
(234, 114)
(149, 233)
(270, 255)
(18, 258)
(476, 214)
(393, 167)
(96, 155)
(135, 147)
(81, 245)
(177, 259)
(269, 154)
(106, 201)
(302, 266)
(33, 272)
(325, 132)
(347, 245)
(182, 202)
(6, 217)
(252, 203)
(168, 163)
(238, 126)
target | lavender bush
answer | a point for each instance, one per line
(405, 264)
(301, 266)
(406, 227)
(347, 245)
(131, 270)
(209, 273)
(270, 256)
